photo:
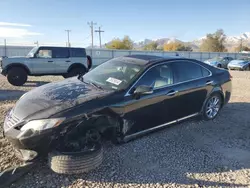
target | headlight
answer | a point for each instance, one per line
(42, 124)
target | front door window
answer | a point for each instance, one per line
(157, 77)
(44, 53)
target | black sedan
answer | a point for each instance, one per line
(119, 100)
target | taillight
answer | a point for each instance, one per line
(89, 61)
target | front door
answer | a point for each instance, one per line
(149, 110)
(43, 62)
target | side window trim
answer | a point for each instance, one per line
(128, 94)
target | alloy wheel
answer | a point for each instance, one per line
(213, 107)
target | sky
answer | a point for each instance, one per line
(24, 22)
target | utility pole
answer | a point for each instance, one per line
(5, 48)
(91, 25)
(37, 44)
(100, 37)
(67, 30)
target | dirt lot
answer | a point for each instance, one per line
(194, 153)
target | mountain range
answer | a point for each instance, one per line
(230, 42)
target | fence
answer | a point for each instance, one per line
(101, 55)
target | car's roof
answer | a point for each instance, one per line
(60, 47)
(146, 59)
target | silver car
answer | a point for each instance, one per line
(220, 62)
(240, 64)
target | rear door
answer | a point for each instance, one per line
(43, 62)
(61, 59)
(193, 83)
(78, 56)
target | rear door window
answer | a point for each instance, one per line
(77, 52)
(186, 71)
(60, 53)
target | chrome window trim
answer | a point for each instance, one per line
(131, 136)
(128, 94)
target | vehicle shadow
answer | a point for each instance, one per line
(10, 94)
(34, 83)
(184, 154)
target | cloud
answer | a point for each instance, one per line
(14, 24)
(8, 32)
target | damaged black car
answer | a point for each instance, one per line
(121, 99)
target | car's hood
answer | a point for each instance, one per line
(211, 61)
(13, 57)
(237, 62)
(44, 101)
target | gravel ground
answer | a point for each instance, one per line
(191, 154)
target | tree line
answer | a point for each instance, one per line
(213, 42)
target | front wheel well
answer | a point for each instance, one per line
(106, 126)
(17, 65)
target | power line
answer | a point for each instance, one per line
(100, 38)
(68, 31)
(91, 25)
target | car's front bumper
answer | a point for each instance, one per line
(3, 71)
(235, 67)
(28, 144)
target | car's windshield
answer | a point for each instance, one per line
(245, 58)
(242, 61)
(32, 52)
(216, 59)
(113, 74)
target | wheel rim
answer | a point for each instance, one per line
(213, 107)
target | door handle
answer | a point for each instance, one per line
(172, 93)
(67, 61)
(50, 61)
(209, 82)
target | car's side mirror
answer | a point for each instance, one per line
(143, 89)
(33, 56)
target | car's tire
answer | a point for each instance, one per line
(75, 71)
(17, 76)
(75, 162)
(248, 68)
(211, 108)
(219, 66)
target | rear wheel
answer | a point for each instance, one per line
(75, 71)
(17, 76)
(212, 107)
